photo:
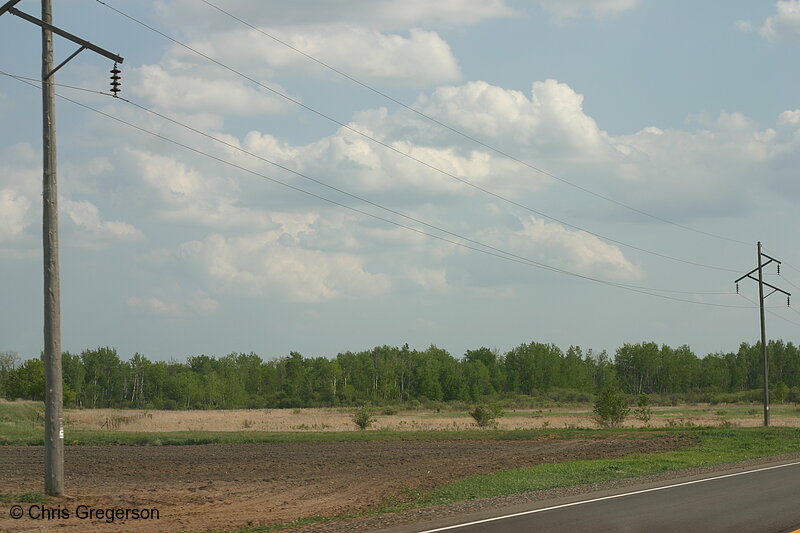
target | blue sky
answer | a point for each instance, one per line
(686, 111)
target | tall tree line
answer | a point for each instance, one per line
(393, 375)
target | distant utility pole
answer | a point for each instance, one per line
(53, 406)
(761, 299)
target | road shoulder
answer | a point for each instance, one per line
(427, 518)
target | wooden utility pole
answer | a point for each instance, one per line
(764, 364)
(53, 412)
(53, 383)
(761, 299)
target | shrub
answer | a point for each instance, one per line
(362, 417)
(643, 411)
(794, 395)
(611, 407)
(780, 392)
(486, 415)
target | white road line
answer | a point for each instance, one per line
(582, 502)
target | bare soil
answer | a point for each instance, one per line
(230, 486)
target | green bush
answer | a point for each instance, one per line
(643, 411)
(780, 392)
(362, 417)
(486, 415)
(611, 407)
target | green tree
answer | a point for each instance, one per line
(601, 368)
(106, 378)
(140, 386)
(575, 372)
(478, 380)
(74, 376)
(493, 364)
(8, 361)
(26, 381)
(638, 366)
(295, 386)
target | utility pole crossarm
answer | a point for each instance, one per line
(58, 31)
(8, 5)
(755, 270)
(773, 287)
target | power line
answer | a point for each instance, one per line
(466, 135)
(773, 313)
(409, 156)
(790, 266)
(488, 249)
(342, 191)
(784, 278)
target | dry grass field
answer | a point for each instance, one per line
(314, 420)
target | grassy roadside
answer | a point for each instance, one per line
(714, 446)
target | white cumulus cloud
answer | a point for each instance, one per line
(551, 119)
(785, 24)
(383, 14)
(20, 198)
(577, 251)
(565, 10)
(175, 305)
(791, 117)
(276, 261)
(179, 192)
(431, 279)
(175, 91)
(420, 58)
(14, 215)
(85, 216)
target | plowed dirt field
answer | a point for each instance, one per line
(229, 486)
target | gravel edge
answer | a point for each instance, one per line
(425, 514)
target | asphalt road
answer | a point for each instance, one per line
(765, 499)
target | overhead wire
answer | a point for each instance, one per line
(773, 313)
(785, 263)
(785, 279)
(792, 267)
(466, 135)
(487, 249)
(334, 188)
(407, 155)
